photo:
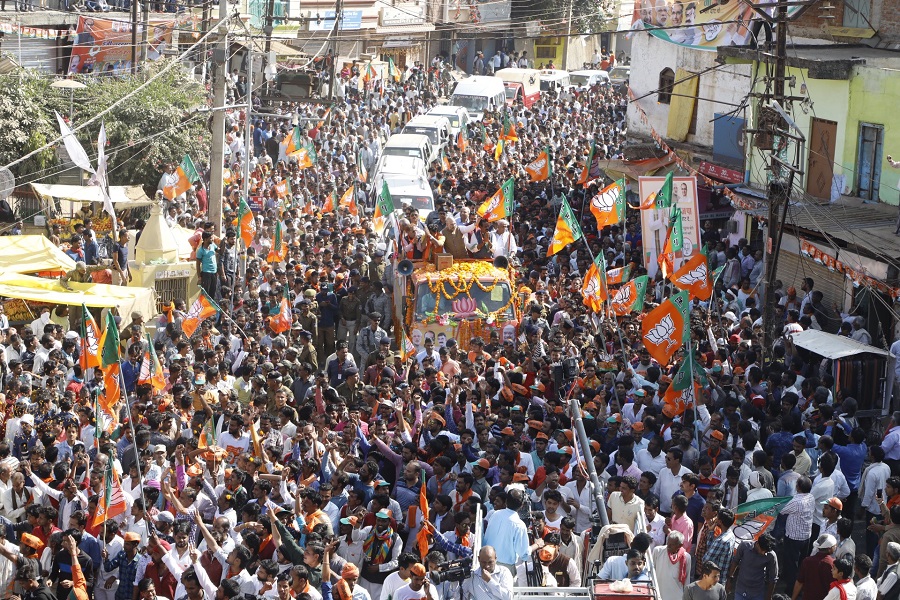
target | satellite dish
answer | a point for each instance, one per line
(7, 183)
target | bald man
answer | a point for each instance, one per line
(489, 581)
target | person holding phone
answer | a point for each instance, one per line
(871, 493)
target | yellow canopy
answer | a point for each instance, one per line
(100, 295)
(31, 254)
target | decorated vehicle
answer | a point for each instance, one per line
(465, 299)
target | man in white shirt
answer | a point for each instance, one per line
(488, 581)
(503, 241)
(669, 480)
(398, 578)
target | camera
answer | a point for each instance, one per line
(454, 570)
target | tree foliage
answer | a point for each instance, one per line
(587, 16)
(156, 126)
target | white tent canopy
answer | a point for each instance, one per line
(71, 196)
(833, 346)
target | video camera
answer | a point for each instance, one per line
(453, 570)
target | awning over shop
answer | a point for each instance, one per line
(833, 346)
(129, 196)
(404, 29)
(98, 295)
(32, 254)
(632, 169)
(280, 49)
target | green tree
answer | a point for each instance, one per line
(156, 126)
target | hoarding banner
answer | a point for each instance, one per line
(655, 221)
(703, 24)
(104, 46)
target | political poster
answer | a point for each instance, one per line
(655, 221)
(104, 45)
(703, 24)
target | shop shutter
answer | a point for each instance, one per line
(34, 53)
(792, 268)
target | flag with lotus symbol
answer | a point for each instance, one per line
(595, 289)
(540, 169)
(500, 205)
(567, 231)
(667, 327)
(630, 297)
(693, 276)
(608, 205)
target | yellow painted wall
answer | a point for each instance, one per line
(831, 102)
(875, 98)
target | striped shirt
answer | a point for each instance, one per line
(799, 513)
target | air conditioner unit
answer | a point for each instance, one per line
(731, 226)
(367, 55)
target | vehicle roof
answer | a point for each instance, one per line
(553, 73)
(403, 164)
(446, 109)
(427, 120)
(478, 81)
(621, 68)
(406, 140)
(589, 72)
(408, 186)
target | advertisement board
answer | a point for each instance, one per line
(351, 20)
(703, 24)
(655, 221)
(104, 46)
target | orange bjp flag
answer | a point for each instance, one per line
(539, 168)
(693, 276)
(202, 309)
(422, 536)
(667, 327)
(281, 321)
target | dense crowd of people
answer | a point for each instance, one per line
(293, 462)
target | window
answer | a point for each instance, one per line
(666, 83)
(545, 52)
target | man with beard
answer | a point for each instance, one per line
(381, 552)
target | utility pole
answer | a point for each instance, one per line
(779, 185)
(217, 152)
(269, 28)
(565, 59)
(336, 45)
(134, 35)
(204, 27)
(248, 139)
(145, 31)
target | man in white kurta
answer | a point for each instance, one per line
(673, 567)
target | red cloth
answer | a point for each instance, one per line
(840, 586)
(679, 557)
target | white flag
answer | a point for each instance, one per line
(99, 178)
(73, 147)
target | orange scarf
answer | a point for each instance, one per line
(463, 498)
(466, 540)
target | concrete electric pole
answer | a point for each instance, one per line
(217, 152)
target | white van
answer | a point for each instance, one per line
(457, 115)
(584, 80)
(435, 127)
(522, 85)
(401, 165)
(412, 191)
(407, 144)
(392, 167)
(479, 93)
(554, 80)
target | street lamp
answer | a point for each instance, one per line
(71, 85)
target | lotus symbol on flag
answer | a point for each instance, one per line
(539, 164)
(604, 202)
(194, 312)
(623, 296)
(592, 289)
(698, 275)
(661, 333)
(495, 202)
